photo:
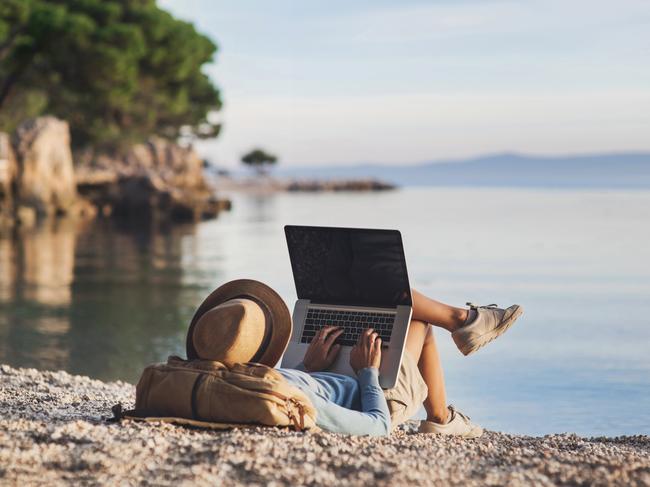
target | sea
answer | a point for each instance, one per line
(104, 300)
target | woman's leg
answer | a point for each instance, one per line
(421, 345)
(430, 367)
(439, 314)
(471, 328)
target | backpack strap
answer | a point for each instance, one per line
(195, 390)
(119, 413)
(298, 423)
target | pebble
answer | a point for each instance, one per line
(53, 432)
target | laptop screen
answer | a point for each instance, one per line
(348, 266)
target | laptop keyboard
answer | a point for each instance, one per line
(353, 322)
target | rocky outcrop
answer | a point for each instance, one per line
(37, 174)
(45, 179)
(174, 165)
(158, 180)
(8, 171)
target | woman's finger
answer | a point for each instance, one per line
(333, 352)
(376, 348)
(326, 330)
(363, 337)
(370, 339)
(317, 336)
(322, 333)
(360, 339)
(331, 338)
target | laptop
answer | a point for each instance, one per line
(354, 278)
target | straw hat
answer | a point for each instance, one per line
(241, 321)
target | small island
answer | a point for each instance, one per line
(262, 181)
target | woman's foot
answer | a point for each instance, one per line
(489, 323)
(457, 425)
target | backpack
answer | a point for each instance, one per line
(219, 396)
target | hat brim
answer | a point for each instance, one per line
(274, 307)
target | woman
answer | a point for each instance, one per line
(246, 321)
(346, 405)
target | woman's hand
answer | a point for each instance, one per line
(322, 351)
(367, 351)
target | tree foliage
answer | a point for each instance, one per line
(259, 160)
(117, 70)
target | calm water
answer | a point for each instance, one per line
(104, 301)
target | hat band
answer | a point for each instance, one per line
(267, 328)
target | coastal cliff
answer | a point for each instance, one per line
(155, 180)
(40, 178)
(53, 431)
(37, 174)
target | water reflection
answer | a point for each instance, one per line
(261, 207)
(45, 264)
(105, 301)
(7, 270)
(96, 299)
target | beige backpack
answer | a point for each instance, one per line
(214, 395)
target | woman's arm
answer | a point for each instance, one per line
(374, 417)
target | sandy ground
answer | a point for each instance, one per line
(52, 432)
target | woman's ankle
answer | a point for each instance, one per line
(459, 318)
(440, 417)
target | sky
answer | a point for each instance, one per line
(400, 82)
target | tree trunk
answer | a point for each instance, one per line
(6, 46)
(7, 85)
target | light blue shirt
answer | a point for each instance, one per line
(344, 404)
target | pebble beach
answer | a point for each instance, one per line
(53, 432)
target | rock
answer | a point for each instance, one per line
(45, 179)
(158, 180)
(8, 172)
(83, 208)
(26, 216)
(6, 221)
(137, 196)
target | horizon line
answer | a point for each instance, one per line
(461, 160)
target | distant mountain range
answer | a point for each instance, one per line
(622, 170)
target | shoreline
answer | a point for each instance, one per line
(270, 184)
(52, 431)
